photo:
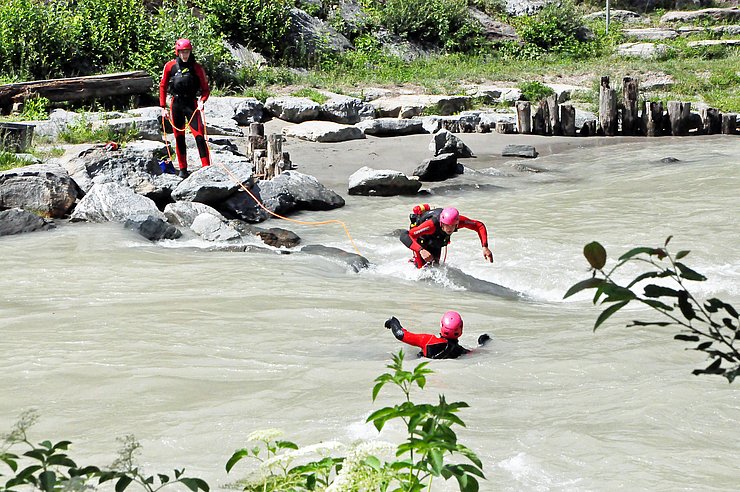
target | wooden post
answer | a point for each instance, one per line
(543, 112)
(504, 127)
(679, 113)
(711, 120)
(653, 117)
(568, 120)
(607, 108)
(553, 112)
(729, 124)
(630, 120)
(538, 121)
(256, 139)
(258, 158)
(483, 128)
(287, 163)
(274, 164)
(524, 117)
(588, 129)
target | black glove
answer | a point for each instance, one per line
(392, 322)
(483, 339)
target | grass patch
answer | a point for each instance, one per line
(9, 160)
(311, 94)
(82, 131)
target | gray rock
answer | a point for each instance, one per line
(642, 50)
(444, 142)
(223, 126)
(651, 34)
(293, 109)
(694, 16)
(184, 213)
(465, 122)
(17, 221)
(410, 105)
(391, 127)
(346, 110)
(382, 182)
(519, 151)
(285, 193)
(243, 110)
(438, 168)
(111, 202)
(312, 35)
(274, 236)
(493, 29)
(323, 131)
(154, 228)
(46, 189)
(354, 261)
(622, 16)
(213, 228)
(214, 184)
(524, 7)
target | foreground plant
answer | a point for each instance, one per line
(47, 466)
(430, 443)
(713, 323)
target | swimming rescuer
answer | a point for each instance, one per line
(444, 346)
(431, 230)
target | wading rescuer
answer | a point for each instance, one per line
(431, 230)
(185, 80)
(444, 346)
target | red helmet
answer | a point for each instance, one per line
(451, 325)
(183, 44)
(449, 216)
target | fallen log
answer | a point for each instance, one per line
(77, 88)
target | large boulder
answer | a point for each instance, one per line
(184, 213)
(18, 221)
(287, 192)
(410, 105)
(45, 189)
(382, 182)
(731, 14)
(438, 168)
(214, 228)
(353, 261)
(323, 131)
(444, 142)
(111, 202)
(214, 183)
(391, 127)
(152, 227)
(346, 110)
(243, 110)
(310, 35)
(293, 109)
(492, 29)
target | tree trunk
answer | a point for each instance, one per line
(553, 113)
(77, 88)
(607, 108)
(711, 120)
(256, 138)
(729, 124)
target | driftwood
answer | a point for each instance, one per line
(630, 118)
(607, 108)
(524, 117)
(77, 88)
(274, 164)
(256, 139)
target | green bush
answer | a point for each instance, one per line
(535, 91)
(263, 24)
(440, 22)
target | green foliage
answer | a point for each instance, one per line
(46, 466)
(311, 94)
(430, 443)
(35, 108)
(713, 324)
(441, 22)
(9, 160)
(535, 91)
(263, 24)
(83, 131)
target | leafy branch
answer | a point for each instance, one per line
(713, 324)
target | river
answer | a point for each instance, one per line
(107, 334)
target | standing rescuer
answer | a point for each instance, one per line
(431, 230)
(185, 80)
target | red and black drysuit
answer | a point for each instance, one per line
(432, 346)
(428, 235)
(185, 81)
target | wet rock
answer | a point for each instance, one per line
(438, 168)
(444, 142)
(519, 151)
(382, 182)
(18, 221)
(154, 228)
(111, 202)
(46, 189)
(354, 261)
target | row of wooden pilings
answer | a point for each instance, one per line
(266, 153)
(647, 118)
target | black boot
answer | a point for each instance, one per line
(183, 173)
